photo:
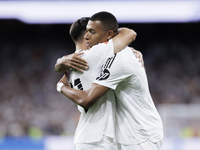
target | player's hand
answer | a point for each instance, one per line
(74, 61)
(138, 55)
(64, 80)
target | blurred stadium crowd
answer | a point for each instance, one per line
(29, 102)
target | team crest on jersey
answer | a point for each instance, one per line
(105, 73)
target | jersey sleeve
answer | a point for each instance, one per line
(113, 72)
(100, 52)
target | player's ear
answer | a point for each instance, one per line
(110, 34)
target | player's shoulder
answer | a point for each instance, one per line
(126, 56)
(97, 48)
(103, 44)
(80, 50)
(126, 51)
(84, 55)
(107, 42)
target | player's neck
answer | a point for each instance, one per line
(80, 45)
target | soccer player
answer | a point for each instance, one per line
(138, 124)
(96, 125)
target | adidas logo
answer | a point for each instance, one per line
(105, 72)
(104, 75)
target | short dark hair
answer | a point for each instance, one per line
(108, 20)
(78, 28)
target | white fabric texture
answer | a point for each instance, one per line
(148, 145)
(106, 143)
(137, 119)
(99, 119)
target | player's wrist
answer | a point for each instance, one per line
(59, 86)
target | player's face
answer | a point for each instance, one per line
(85, 46)
(95, 34)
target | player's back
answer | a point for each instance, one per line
(99, 119)
(135, 103)
(137, 119)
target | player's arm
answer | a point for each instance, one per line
(123, 39)
(71, 61)
(84, 98)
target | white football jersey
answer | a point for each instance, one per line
(137, 119)
(99, 120)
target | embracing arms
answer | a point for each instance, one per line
(124, 38)
(84, 98)
(74, 61)
(71, 61)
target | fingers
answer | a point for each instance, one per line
(80, 62)
(77, 66)
(63, 79)
(138, 55)
(134, 51)
(74, 61)
(142, 61)
(78, 57)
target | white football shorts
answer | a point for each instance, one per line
(148, 145)
(106, 143)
